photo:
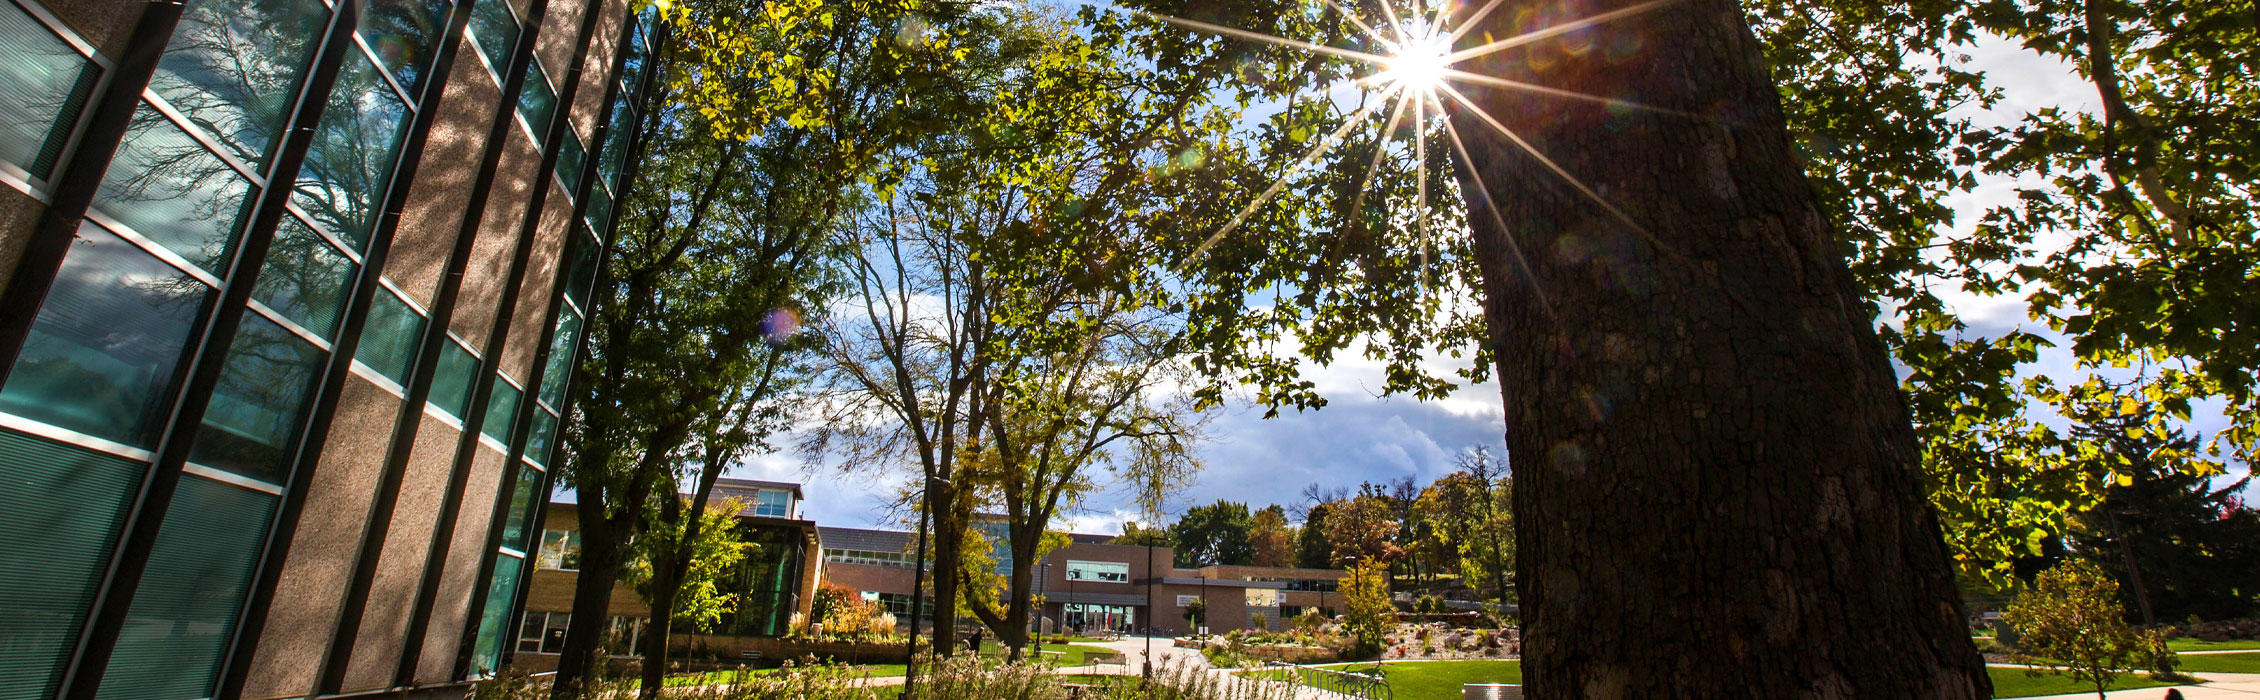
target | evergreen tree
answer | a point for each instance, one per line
(1312, 550)
(2177, 546)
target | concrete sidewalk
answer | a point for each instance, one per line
(2218, 686)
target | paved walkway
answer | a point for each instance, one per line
(2220, 686)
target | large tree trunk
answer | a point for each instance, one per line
(592, 606)
(666, 581)
(1717, 492)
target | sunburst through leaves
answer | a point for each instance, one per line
(1413, 77)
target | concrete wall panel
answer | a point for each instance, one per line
(303, 617)
(466, 552)
(441, 191)
(378, 646)
(526, 329)
(489, 266)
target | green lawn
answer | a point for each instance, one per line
(2019, 683)
(1441, 680)
(2221, 663)
(1431, 680)
(2195, 644)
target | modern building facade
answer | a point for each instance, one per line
(775, 581)
(1091, 584)
(289, 292)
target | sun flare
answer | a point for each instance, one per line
(1421, 61)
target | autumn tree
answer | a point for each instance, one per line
(1471, 512)
(2071, 616)
(699, 599)
(1272, 540)
(1363, 529)
(1366, 607)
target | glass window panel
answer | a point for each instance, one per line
(563, 345)
(388, 340)
(232, 67)
(540, 436)
(560, 549)
(570, 159)
(353, 152)
(521, 508)
(64, 506)
(632, 60)
(502, 407)
(103, 354)
(621, 126)
(305, 278)
(43, 84)
(537, 103)
(182, 621)
(403, 34)
(259, 402)
(496, 31)
(173, 191)
(495, 619)
(600, 206)
(451, 380)
(582, 277)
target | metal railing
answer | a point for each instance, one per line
(1369, 686)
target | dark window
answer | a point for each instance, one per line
(451, 380)
(259, 403)
(43, 85)
(537, 102)
(582, 276)
(502, 407)
(179, 628)
(388, 339)
(570, 160)
(305, 278)
(353, 152)
(496, 617)
(102, 355)
(495, 30)
(232, 67)
(403, 34)
(563, 345)
(168, 188)
(521, 508)
(64, 506)
(540, 436)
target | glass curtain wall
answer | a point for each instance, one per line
(88, 398)
(493, 28)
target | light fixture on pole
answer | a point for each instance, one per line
(918, 581)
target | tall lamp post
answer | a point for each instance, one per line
(1149, 673)
(918, 582)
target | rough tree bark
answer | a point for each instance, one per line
(1717, 492)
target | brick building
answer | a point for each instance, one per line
(776, 580)
(288, 289)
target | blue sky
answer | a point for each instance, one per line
(1363, 437)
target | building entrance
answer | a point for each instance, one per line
(1085, 617)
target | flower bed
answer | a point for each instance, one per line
(1437, 641)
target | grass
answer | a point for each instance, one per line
(1441, 680)
(1431, 680)
(2221, 663)
(2195, 644)
(2019, 683)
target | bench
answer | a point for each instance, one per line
(1490, 691)
(1094, 658)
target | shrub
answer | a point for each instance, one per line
(2071, 615)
